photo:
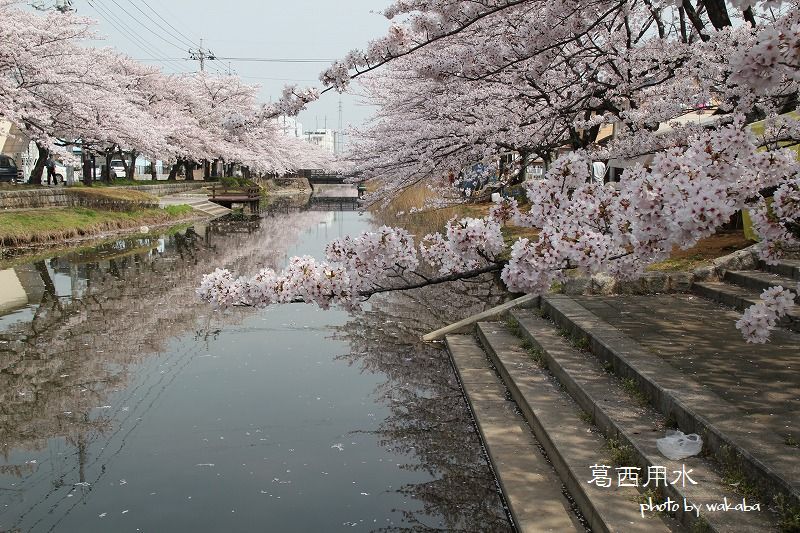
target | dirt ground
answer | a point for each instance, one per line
(720, 244)
(420, 223)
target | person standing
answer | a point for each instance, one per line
(51, 171)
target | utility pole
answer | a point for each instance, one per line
(338, 145)
(201, 55)
(59, 5)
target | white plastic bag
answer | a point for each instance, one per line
(676, 445)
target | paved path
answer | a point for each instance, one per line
(198, 201)
(698, 338)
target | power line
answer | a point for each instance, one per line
(263, 59)
(154, 21)
(188, 39)
(132, 36)
(276, 79)
(276, 60)
(147, 27)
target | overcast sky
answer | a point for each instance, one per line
(300, 29)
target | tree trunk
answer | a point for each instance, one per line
(130, 168)
(38, 168)
(523, 169)
(189, 166)
(173, 172)
(153, 173)
(749, 16)
(717, 13)
(206, 169)
(87, 167)
(682, 16)
(105, 173)
(695, 19)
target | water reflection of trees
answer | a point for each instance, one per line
(429, 418)
(104, 309)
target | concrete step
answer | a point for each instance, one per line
(741, 298)
(788, 268)
(204, 206)
(757, 455)
(620, 414)
(757, 280)
(569, 440)
(530, 486)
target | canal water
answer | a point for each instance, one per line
(129, 405)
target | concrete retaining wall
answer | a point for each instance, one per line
(167, 188)
(58, 197)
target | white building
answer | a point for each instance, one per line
(326, 139)
(290, 126)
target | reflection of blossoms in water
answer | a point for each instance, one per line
(125, 301)
(429, 417)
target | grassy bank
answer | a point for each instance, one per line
(42, 226)
(401, 212)
(428, 221)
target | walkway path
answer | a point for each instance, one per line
(198, 201)
(698, 338)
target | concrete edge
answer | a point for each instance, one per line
(521, 519)
(603, 418)
(611, 346)
(462, 325)
(601, 516)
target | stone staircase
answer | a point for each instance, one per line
(199, 202)
(555, 390)
(741, 289)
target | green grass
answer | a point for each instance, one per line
(120, 182)
(178, 210)
(631, 387)
(678, 264)
(701, 525)
(789, 515)
(38, 226)
(514, 327)
(733, 474)
(536, 354)
(112, 198)
(621, 454)
(578, 340)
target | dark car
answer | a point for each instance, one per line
(8, 169)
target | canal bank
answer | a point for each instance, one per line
(130, 404)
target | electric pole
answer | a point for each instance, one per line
(201, 55)
(338, 146)
(59, 5)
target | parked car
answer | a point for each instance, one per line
(8, 169)
(77, 173)
(116, 168)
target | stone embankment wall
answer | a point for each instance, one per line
(60, 196)
(287, 183)
(662, 282)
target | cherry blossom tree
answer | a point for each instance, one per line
(63, 92)
(461, 81)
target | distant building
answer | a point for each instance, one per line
(290, 126)
(17, 145)
(326, 139)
